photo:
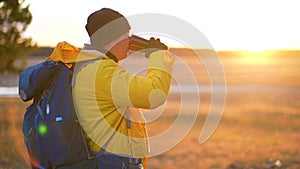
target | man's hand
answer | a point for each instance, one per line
(154, 45)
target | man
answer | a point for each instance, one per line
(107, 97)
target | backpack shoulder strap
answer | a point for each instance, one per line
(78, 66)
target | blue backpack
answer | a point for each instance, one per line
(53, 136)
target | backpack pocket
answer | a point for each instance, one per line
(64, 141)
(32, 137)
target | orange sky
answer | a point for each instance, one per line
(231, 24)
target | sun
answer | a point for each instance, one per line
(255, 57)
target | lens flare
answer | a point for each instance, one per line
(42, 129)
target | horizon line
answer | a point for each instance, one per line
(199, 48)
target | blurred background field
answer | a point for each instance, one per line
(260, 126)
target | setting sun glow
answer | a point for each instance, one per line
(255, 57)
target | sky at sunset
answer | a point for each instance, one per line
(228, 25)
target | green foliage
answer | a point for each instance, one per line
(14, 19)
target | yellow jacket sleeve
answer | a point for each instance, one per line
(144, 92)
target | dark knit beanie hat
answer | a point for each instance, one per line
(106, 25)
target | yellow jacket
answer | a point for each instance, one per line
(107, 98)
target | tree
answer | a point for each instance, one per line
(14, 19)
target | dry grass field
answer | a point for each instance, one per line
(260, 126)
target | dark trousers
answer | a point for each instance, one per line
(107, 160)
